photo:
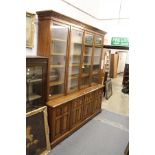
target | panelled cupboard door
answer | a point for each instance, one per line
(97, 100)
(74, 58)
(86, 64)
(60, 121)
(77, 111)
(59, 47)
(87, 107)
(97, 59)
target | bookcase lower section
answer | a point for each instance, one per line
(66, 118)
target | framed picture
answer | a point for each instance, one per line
(37, 132)
(29, 29)
(108, 89)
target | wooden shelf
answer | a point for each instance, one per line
(87, 64)
(77, 55)
(77, 43)
(85, 75)
(73, 87)
(95, 64)
(87, 55)
(51, 96)
(34, 80)
(56, 83)
(53, 76)
(74, 65)
(73, 77)
(61, 40)
(94, 73)
(58, 54)
(84, 86)
(34, 97)
(88, 45)
(57, 66)
(98, 46)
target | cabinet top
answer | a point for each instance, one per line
(62, 100)
(36, 57)
(48, 14)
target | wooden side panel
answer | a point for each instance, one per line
(44, 38)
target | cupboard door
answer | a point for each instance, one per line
(96, 59)
(97, 100)
(36, 82)
(75, 59)
(86, 64)
(87, 107)
(34, 86)
(60, 121)
(59, 35)
(76, 111)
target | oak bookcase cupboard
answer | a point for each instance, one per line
(74, 89)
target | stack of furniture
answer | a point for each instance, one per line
(74, 89)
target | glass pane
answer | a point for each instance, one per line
(96, 65)
(98, 40)
(33, 87)
(96, 61)
(86, 66)
(88, 39)
(75, 59)
(58, 58)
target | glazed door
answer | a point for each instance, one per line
(86, 64)
(75, 59)
(59, 42)
(97, 59)
(34, 86)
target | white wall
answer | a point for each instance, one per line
(58, 6)
(114, 28)
(61, 7)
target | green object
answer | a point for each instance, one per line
(118, 41)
